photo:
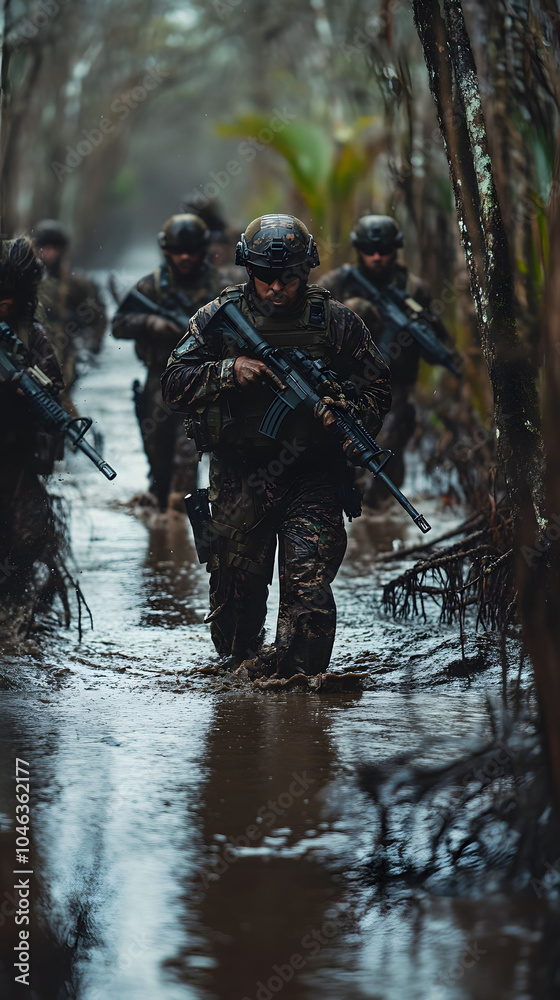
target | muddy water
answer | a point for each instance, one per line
(195, 838)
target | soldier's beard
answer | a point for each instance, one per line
(186, 277)
(268, 308)
(54, 270)
(379, 273)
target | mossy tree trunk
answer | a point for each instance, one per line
(455, 88)
(4, 95)
(539, 559)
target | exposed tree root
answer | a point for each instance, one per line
(477, 571)
(486, 810)
(35, 556)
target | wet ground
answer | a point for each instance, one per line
(193, 837)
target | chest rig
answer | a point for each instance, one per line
(308, 328)
(168, 293)
(234, 421)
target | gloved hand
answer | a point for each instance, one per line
(323, 410)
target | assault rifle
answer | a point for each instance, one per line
(306, 381)
(136, 302)
(34, 384)
(400, 312)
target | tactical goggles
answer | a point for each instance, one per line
(271, 274)
(383, 249)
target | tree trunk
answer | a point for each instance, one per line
(539, 565)
(4, 98)
(454, 85)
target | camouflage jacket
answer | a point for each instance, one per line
(201, 368)
(154, 349)
(38, 351)
(73, 308)
(344, 286)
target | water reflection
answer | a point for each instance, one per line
(170, 575)
(111, 778)
(217, 848)
(139, 792)
(269, 903)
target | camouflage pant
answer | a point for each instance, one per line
(171, 455)
(249, 516)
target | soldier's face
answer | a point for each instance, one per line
(6, 308)
(275, 293)
(50, 255)
(377, 262)
(185, 262)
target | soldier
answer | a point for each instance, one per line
(261, 490)
(221, 242)
(377, 240)
(72, 302)
(186, 281)
(28, 526)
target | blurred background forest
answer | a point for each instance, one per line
(117, 114)
(113, 112)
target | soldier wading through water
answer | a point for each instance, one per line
(377, 240)
(72, 302)
(30, 533)
(292, 489)
(184, 282)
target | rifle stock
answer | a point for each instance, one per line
(391, 303)
(135, 302)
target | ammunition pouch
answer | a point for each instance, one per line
(350, 494)
(240, 524)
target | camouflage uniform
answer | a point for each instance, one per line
(400, 424)
(76, 317)
(27, 521)
(262, 490)
(172, 457)
(22, 441)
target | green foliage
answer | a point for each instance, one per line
(326, 170)
(124, 184)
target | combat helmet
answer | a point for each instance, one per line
(50, 232)
(376, 234)
(186, 233)
(277, 243)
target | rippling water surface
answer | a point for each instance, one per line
(195, 838)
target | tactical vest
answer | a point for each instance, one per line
(233, 421)
(165, 289)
